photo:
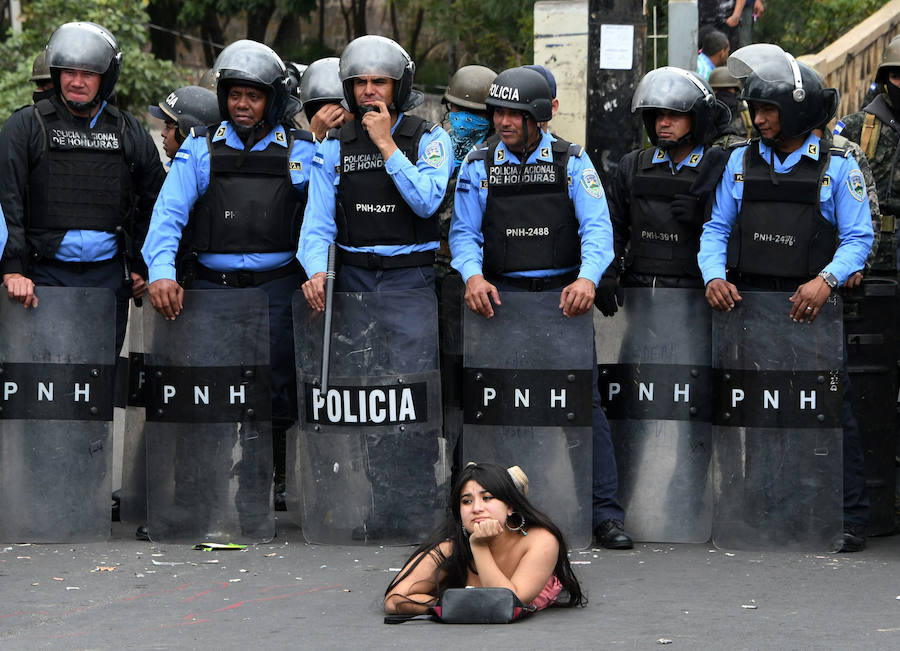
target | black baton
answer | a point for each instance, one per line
(326, 336)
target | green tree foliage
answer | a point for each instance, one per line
(144, 79)
(807, 26)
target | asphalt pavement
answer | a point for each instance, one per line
(131, 594)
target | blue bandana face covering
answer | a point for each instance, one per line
(466, 131)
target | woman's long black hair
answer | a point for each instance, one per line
(455, 568)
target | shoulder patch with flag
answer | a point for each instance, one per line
(591, 183)
(181, 155)
(839, 127)
(857, 185)
(434, 154)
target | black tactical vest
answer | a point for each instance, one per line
(529, 220)
(250, 206)
(369, 210)
(661, 244)
(780, 230)
(82, 181)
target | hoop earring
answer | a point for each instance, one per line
(520, 526)
(465, 532)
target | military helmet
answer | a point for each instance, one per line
(469, 86)
(721, 78)
(321, 81)
(295, 73)
(88, 47)
(521, 89)
(684, 91)
(773, 76)
(250, 63)
(890, 59)
(188, 107)
(379, 57)
(40, 71)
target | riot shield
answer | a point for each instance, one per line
(56, 408)
(209, 419)
(655, 383)
(133, 494)
(527, 401)
(369, 455)
(451, 325)
(777, 455)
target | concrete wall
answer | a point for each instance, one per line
(561, 44)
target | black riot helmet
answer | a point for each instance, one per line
(773, 76)
(676, 89)
(321, 84)
(189, 107)
(88, 47)
(377, 56)
(249, 63)
(521, 89)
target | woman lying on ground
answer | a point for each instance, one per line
(492, 537)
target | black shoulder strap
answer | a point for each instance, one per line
(301, 134)
(333, 134)
(347, 133)
(200, 131)
(479, 152)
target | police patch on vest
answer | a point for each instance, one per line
(857, 185)
(73, 139)
(545, 152)
(591, 183)
(220, 132)
(694, 159)
(484, 184)
(362, 162)
(500, 156)
(279, 136)
(660, 154)
(534, 173)
(434, 154)
(295, 166)
(738, 177)
(826, 181)
(812, 149)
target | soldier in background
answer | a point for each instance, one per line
(321, 92)
(40, 76)
(876, 130)
(184, 109)
(727, 88)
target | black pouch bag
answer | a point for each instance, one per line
(473, 606)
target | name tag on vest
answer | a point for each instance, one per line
(72, 139)
(509, 174)
(361, 162)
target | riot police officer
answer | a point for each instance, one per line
(40, 77)
(322, 92)
(877, 131)
(832, 230)
(184, 109)
(392, 170)
(571, 255)
(727, 89)
(77, 171)
(260, 168)
(660, 197)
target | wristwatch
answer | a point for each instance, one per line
(829, 279)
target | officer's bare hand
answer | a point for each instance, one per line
(479, 294)
(808, 298)
(329, 116)
(138, 285)
(167, 297)
(577, 298)
(378, 124)
(314, 291)
(20, 288)
(484, 531)
(854, 281)
(721, 295)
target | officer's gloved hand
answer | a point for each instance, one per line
(609, 296)
(686, 208)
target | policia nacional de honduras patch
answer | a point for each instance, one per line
(434, 154)
(857, 185)
(591, 183)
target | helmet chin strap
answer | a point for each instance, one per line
(668, 145)
(81, 106)
(248, 136)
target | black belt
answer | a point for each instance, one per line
(243, 277)
(769, 283)
(536, 284)
(375, 261)
(76, 267)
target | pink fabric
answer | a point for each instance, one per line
(549, 594)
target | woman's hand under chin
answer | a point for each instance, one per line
(485, 531)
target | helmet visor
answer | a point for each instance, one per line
(81, 46)
(669, 88)
(373, 56)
